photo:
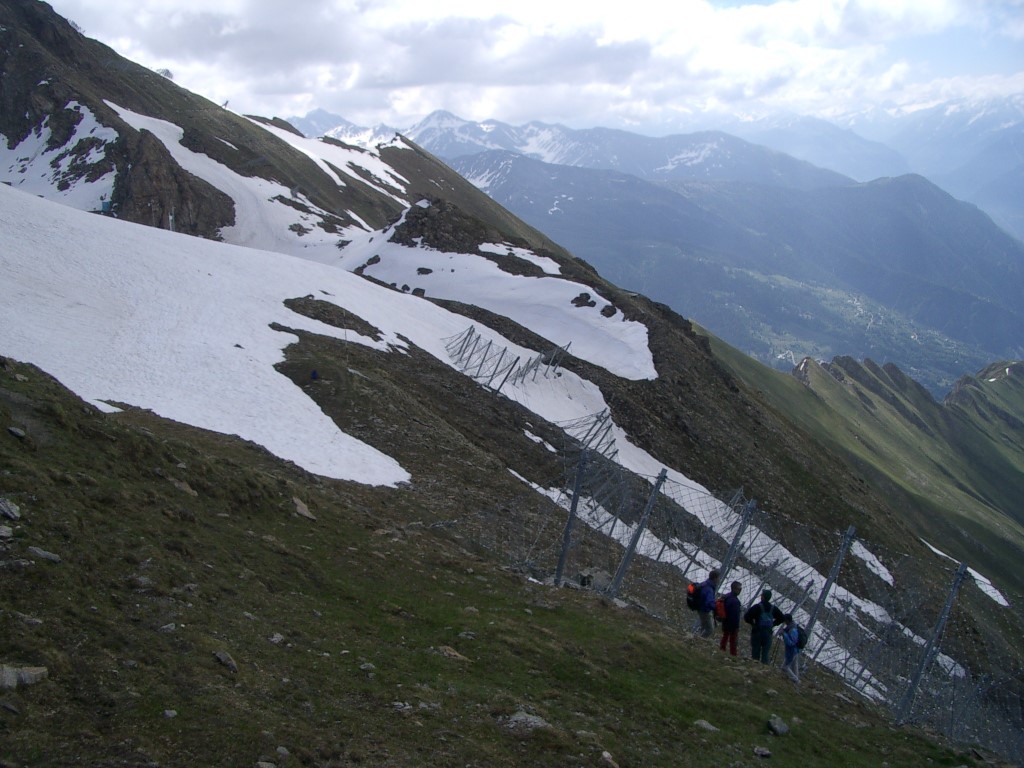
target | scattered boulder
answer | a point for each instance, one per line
(181, 485)
(450, 653)
(225, 659)
(594, 578)
(10, 706)
(12, 677)
(42, 554)
(302, 510)
(762, 752)
(9, 509)
(524, 721)
(704, 724)
(777, 726)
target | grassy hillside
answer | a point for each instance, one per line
(953, 469)
(197, 615)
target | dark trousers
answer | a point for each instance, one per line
(761, 643)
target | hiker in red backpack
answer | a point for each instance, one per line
(762, 617)
(731, 622)
(706, 593)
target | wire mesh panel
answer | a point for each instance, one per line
(492, 365)
(971, 690)
(897, 629)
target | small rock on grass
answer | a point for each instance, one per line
(225, 658)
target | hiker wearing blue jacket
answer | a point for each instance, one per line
(762, 617)
(707, 592)
(791, 638)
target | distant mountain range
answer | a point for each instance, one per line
(707, 156)
(972, 149)
(778, 256)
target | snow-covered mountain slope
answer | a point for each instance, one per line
(41, 165)
(135, 315)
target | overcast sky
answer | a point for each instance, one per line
(641, 64)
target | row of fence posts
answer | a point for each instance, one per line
(484, 361)
(901, 708)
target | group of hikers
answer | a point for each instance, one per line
(763, 617)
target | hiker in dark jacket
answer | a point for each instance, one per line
(762, 617)
(731, 622)
(706, 594)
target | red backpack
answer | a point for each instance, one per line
(720, 608)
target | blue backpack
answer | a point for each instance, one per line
(801, 638)
(767, 618)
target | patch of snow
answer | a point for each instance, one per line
(873, 563)
(983, 582)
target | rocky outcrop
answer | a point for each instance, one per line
(152, 189)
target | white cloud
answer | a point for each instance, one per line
(644, 63)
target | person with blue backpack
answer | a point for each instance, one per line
(791, 639)
(762, 617)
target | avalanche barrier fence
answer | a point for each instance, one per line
(926, 638)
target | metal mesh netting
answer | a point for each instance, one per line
(921, 636)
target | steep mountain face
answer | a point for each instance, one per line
(893, 269)
(334, 329)
(971, 444)
(69, 98)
